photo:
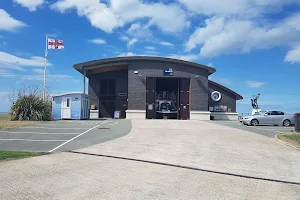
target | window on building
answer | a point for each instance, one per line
(68, 103)
(103, 87)
(108, 87)
(111, 87)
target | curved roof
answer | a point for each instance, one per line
(124, 60)
(238, 97)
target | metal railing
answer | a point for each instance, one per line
(244, 114)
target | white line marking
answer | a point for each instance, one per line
(73, 138)
(33, 140)
(14, 132)
(50, 128)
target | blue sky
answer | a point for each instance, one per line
(253, 44)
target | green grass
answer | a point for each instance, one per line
(294, 138)
(9, 155)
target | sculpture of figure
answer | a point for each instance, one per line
(254, 101)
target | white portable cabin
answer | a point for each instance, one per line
(74, 105)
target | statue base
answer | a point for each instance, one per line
(254, 111)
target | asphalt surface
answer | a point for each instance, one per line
(161, 159)
(269, 131)
(64, 135)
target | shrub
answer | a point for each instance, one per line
(30, 106)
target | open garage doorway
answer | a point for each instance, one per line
(167, 98)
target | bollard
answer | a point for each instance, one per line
(297, 122)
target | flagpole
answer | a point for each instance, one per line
(45, 68)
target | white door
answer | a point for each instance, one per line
(66, 108)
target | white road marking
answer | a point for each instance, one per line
(73, 138)
(34, 127)
(15, 132)
(28, 140)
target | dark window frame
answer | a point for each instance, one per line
(107, 87)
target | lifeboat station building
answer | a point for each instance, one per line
(142, 87)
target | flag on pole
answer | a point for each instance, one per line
(55, 44)
(50, 44)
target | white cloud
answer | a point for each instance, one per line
(126, 54)
(151, 48)
(190, 57)
(124, 38)
(38, 71)
(201, 35)
(151, 52)
(240, 8)
(4, 72)
(221, 36)
(293, 55)
(8, 23)
(255, 84)
(38, 77)
(98, 41)
(168, 44)
(210, 64)
(9, 61)
(10, 66)
(131, 42)
(109, 15)
(30, 4)
(142, 32)
(33, 61)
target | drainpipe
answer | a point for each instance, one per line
(84, 75)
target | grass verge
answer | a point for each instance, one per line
(12, 155)
(292, 138)
(5, 122)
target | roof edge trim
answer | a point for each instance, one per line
(79, 66)
(238, 97)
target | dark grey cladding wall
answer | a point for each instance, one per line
(137, 85)
(228, 99)
(121, 84)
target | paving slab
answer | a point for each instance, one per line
(207, 146)
(74, 176)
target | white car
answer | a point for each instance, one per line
(269, 118)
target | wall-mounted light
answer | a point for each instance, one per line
(136, 72)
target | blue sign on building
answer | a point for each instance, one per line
(168, 72)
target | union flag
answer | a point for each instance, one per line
(55, 44)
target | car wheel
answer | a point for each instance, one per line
(286, 122)
(254, 122)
